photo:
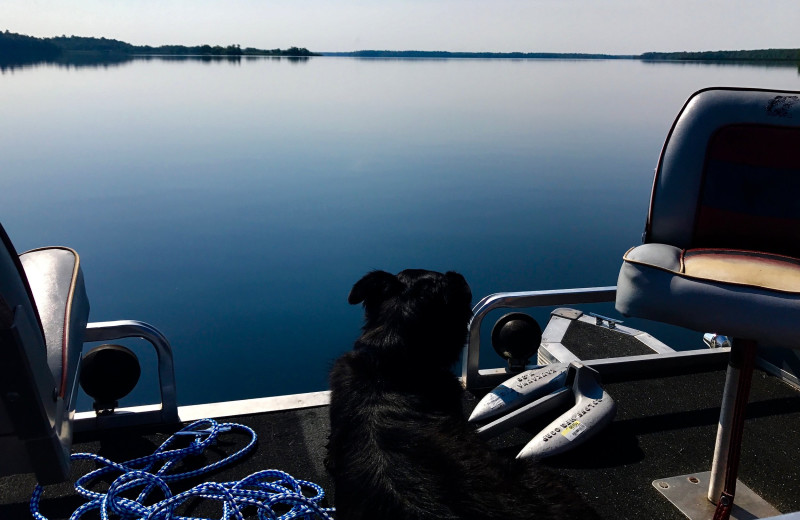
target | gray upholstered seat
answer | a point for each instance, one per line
(722, 240)
(743, 294)
(56, 281)
(43, 316)
(721, 248)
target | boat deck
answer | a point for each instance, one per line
(664, 427)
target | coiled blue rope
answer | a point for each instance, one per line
(264, 491)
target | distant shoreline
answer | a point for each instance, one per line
(15, 46)
(477, 55)
(788, 55)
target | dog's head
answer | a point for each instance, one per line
(417, 314)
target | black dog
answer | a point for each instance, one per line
(400, 447)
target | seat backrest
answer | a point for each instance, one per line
(729, 174)
(30, 415)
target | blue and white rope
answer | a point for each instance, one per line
(264, 491)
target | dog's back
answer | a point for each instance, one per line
(400, 447)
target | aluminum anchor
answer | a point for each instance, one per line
(559, 386)
(519, 390)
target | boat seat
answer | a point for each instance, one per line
(736, 293)
(722, 237)
(43, 316)
(721, 249)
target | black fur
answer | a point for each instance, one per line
(400, 447)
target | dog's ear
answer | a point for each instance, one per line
(376, 284)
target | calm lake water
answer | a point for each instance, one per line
(233, 204)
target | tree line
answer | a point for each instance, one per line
(13, 45)
(755, 55)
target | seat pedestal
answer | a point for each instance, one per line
(689, 493)
(701, 496)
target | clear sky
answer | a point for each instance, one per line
(605, 26)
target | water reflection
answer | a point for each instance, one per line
(760, 64)
(103, 60)
(98, 60)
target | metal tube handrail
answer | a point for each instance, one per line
(113, 330)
